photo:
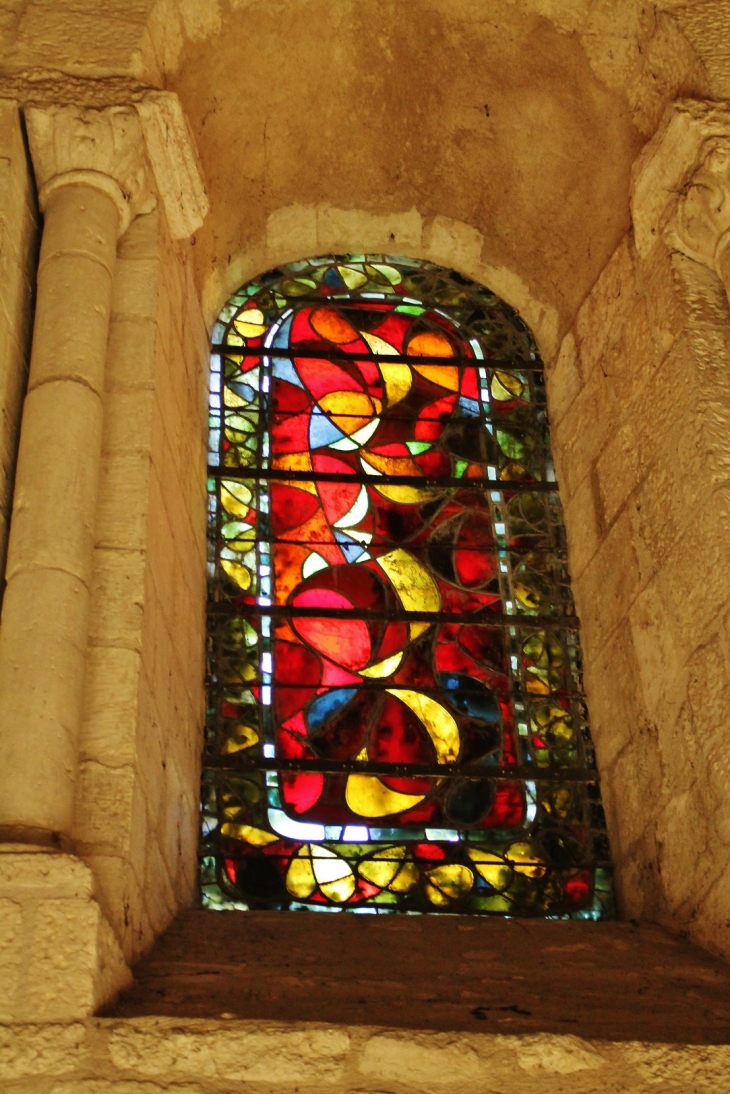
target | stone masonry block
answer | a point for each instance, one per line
(283, 1054)
(11, 954)
(104, 816)
(110, 705)
(563, 380)
(136, 288)
(117, 597)
(127, 421)
(42, 1050)
(131, 353)
(424, 1062)
(67, 959)
(123, 502)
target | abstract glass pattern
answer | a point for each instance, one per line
(396, 720)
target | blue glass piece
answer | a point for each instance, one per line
(332, 279)
(321, 430)
(469, 407)
(284, 370)
(350, 549)
(470, 697)
(324, 706)
(281, 340)
(243, 391)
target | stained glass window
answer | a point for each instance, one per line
(396, 720)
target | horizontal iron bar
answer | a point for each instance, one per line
(288, 354)
(481, 616)
(381, 480)
(547, 553)
(513, 772)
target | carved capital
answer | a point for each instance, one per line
(134, 153)
(103, 148)
(681, 183)
(701, 225)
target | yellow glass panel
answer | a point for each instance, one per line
(392, 465)
(443, 375)
(240, 738)
(350, 410)
(406, 495)
(390, 868)
(379, 346)
(231, 399)
(491, 867)
(238, 536)
(448, 882)
(250, 323)
(293, 461)
(536, 682)
(299, 286)
(300, 880)
(506, 387)
(440, 725)
(430, 344)
(334, 327)
(496, 903)
(367, 796)
(384, 274)
(526, 859)
(417, 629)
(235, 498)
(354, 279)
(405, 879)
(238, 573)
(383, 668)
(255, 836)
(333, 875)
(416, 589)
(397, 379)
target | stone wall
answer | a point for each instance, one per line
(640, 406)
(137, 806)
(194, 1056)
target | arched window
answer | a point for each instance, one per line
(396, 721)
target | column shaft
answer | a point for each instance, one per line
(44, 626)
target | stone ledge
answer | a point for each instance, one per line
(146, 1055)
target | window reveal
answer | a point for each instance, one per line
(396, 720)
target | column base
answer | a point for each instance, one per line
(59, 958)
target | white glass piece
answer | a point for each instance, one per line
(269, 751)
(266, 696)
(291, 829)
(313, 564)
(266, 662)
(370, 470)
(354, 833)
(346, 444)
(357, 512)
(448, 835)
(363, 435)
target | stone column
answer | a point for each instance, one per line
(92, 178)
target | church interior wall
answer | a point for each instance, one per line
(521, 184)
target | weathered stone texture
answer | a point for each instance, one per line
(18, 256)
(152, 1056)
(137, 805)
(641, 450)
